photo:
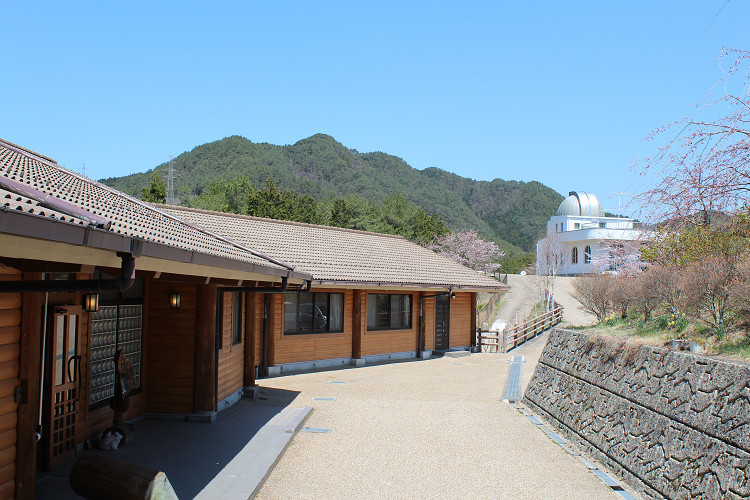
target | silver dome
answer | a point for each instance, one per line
(581, 203)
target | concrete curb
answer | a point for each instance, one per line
(249, 469)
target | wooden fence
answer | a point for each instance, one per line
(514, 336)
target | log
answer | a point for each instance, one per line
(97, 476)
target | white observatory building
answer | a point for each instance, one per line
(585, 237)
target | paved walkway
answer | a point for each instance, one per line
(424, 429)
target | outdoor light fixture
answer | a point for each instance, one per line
(174, 301)
(91, 302)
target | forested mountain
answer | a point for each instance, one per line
(513, 214)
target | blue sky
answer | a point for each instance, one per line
(559, 92)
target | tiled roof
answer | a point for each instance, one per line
(128, 216)
(340, 255)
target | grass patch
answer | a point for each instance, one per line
(667, 326)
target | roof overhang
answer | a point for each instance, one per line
(412, 287)
(33, 237)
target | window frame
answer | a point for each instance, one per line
(314, 330)
(389, 312)
(587, 254)
(574, 256)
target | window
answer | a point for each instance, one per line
(313, 313)
(574, 256)
(388, 311)
(576, 225)
(112, 328)
(602, 224)
(236, 318)
(587, 255)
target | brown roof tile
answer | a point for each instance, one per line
(128, 216)
(341, 255)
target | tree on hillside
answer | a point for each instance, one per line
(704, 167)
(469, 249)
(156, 192)
(282, 205)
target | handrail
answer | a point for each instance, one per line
(519, 334)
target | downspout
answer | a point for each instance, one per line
(38, 433)
(125, 281)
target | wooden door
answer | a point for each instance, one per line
(63, 385)
(442, 322)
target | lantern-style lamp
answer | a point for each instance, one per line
(174, 300)
(91, 302)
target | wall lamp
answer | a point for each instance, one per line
(91, 302)
(174, 300)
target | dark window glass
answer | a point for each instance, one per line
(313, 313)
(388, 311)
(587, 255)
(574, 256)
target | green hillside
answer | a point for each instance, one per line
(513, 214)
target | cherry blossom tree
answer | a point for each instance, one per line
(469, 249)
(704, 167)
(550, 258)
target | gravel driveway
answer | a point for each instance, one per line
(423, 429)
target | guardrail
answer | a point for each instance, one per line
(510, 338)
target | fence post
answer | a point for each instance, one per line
(504, 338)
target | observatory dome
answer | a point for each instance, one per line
(580, 203)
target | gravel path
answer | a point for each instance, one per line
(524, 294)
(423, 429)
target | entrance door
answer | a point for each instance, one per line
(442, 322)
(62, 385)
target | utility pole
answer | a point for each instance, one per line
(170, 181)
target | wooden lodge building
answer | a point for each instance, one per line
(196, 303)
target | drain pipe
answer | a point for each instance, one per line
(125, 281)
(38, 433)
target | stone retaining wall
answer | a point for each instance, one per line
(673, 424)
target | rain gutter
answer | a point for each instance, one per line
(44, 228)
(125, 281)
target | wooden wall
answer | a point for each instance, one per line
(293, 348)
(461, 320)
(390, 341)
(10, 335)
(428, 318)
(231, 356)
(169, 348)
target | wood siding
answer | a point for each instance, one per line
(309, 347)
(231, 356)
(390, 341)
(428, 317)
(10, 336)
(169, 348)
(461, 320)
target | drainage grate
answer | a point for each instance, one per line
(321, 430)
(514, 380)
(603, 476)
(324, 399)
